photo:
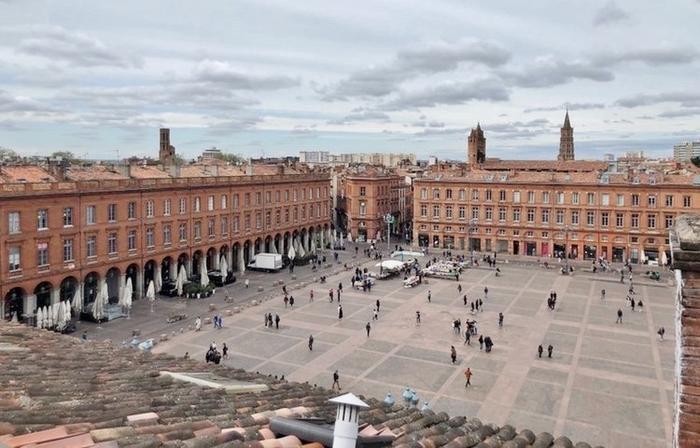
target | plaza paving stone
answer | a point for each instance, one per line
(607, 383)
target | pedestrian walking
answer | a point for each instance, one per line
(459, 288)
(375, 315)
(632, 304)
(340, 287)
(284, 289)
(330, 295)
(467, 338)
(221, 322)
(488, 343)
(453, 354)
(468, 377)
(336, 380)
(428, 296)
(224, 351)
(417, 317)
(472, 304)
(550, 349)
(640, 305)
(340, 311)
(465, 300)
(311, 295)
(84, 336)
(368, 327)
(619, 317)
(277, 321)
(500, 319)
(291, 301)
(247, 283)
(539, 351)
(481, 342)
(486, 291)
(481, 305)
(198, 324)
(661, 333)
(378, 305)
(311, 342)
(602, 294)
(286, 300)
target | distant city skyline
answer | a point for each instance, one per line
(272, 78)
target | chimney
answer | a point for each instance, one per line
(173, 170)
(57, 168)
(346, 420)
(249, 168)
(685, 253)
(280, 169)
(124, 169)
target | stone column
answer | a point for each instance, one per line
(685, 250)
(321, 239)
(122, 284)
(216, 261)
(273, 248)
(29, 305)
(229, 257)
(241, 260)
(188, 267)
(157, 274)
(173, 270)
(138, 287)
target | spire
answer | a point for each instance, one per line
(478, 126)
(567, 124)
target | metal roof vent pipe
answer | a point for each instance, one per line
(346, 420)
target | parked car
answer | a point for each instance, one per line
(215, 278)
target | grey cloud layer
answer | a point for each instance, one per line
(408, 64)
(609, 13)
(73, 48)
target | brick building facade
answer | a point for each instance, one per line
(103, 225)
(685, 241)
(585, 215)
(579, 209)
(367, 196)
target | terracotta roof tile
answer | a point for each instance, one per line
(148, 172)
(115, 385)
(96, 172)
(25, 173)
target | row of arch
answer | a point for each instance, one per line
(22, 303)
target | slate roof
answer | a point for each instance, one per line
(57, 391)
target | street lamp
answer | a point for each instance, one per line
(566, 249)
(472, 228)
(389, 220)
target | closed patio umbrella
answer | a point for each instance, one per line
(49, 313)
(158, 279)
(78, 300)
(151, 293)
(203, 277)
(664, 258)
(312, 250)
(128, 294)
(98, 306)
(66, 310)
(223, 267)
(39, 318)
(180, 280)
(292, 254)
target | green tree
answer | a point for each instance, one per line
(64, 155)
(6, 153)
(232, 158)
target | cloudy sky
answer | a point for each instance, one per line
(272, 77)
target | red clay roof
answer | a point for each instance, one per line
(25, 173)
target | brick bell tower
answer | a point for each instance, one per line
(566, 140)
(166, 153)
(476, 147)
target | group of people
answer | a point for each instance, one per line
(540, 349)
(269, 321)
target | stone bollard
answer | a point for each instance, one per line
(207, 320)
(163, 337)
(314, 280)
(212, 307)
(236, 309)
(254, 302)
(229, 313)
(294, 277)
(260, 289)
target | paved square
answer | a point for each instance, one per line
(606, 383)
